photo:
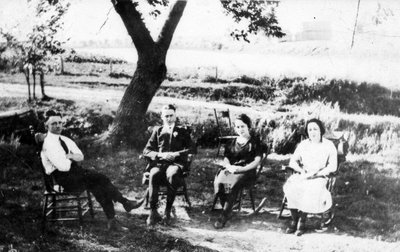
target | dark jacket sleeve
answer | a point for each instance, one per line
(189, 144)
(151, 148)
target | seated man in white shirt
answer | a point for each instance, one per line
(60, 157)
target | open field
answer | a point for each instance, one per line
(365, 63)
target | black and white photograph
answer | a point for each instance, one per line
(199, 125)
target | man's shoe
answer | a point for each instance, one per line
(322, 228)
(132, 204)
(167, 217)
(292, 227)
(220, 223)
(114, 225)
(153, 218)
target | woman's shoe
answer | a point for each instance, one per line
(220, 223)
(299, 232)
(301, 229)
(292, 227)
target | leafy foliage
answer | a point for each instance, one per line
(92, 58)
(41, 42)
(259, 15)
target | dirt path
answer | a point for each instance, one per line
(113, 97)
(262, 232)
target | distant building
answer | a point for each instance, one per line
(317, 30)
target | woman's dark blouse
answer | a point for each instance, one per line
(243, 155)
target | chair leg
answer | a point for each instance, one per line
(283, 206)
(146, 201)
(80, 212)
(54, 205)
(240, 200)
(252, 199)
(219, 146)
(90, 204)
(44, 214)
(186, 196)
(214, 202)
(331, 214)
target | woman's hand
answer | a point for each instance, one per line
(233, 168)
(230, 168)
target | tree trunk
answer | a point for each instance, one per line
(128, 126)
(61, 65)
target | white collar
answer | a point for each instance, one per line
(53, 136)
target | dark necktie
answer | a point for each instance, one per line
(64, 146)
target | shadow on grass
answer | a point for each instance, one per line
(366, 200)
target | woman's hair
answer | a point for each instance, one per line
(169, 107)
(319, 123)
(244, 118)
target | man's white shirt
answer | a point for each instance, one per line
(53, 155)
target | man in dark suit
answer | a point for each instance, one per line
(168, 149)
(60, 158)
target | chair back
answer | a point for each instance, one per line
(48, 180)
(39, 139)
(221, 115)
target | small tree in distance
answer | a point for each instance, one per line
(40, 43)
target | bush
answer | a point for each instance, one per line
(248, 80)
(81, 58)
(352, 97)
(120, 75)
(212, 79)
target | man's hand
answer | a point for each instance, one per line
(74, 157)
(168, 156)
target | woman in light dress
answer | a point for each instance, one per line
(306, 192)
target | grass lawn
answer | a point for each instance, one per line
(365, 199)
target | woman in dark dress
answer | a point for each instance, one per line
(241, 158)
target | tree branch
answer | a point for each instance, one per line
(174, 16)
(134, 24)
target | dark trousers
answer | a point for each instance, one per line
(227, 187)
(77, 179)
(170, 176)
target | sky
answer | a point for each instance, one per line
(204, 20)
(201, 19)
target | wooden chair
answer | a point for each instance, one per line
(342, 148)
(250, 188)
(181, 191)
(222, 139)
(330, 213)
(59, 205)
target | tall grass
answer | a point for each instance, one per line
(365, 134)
